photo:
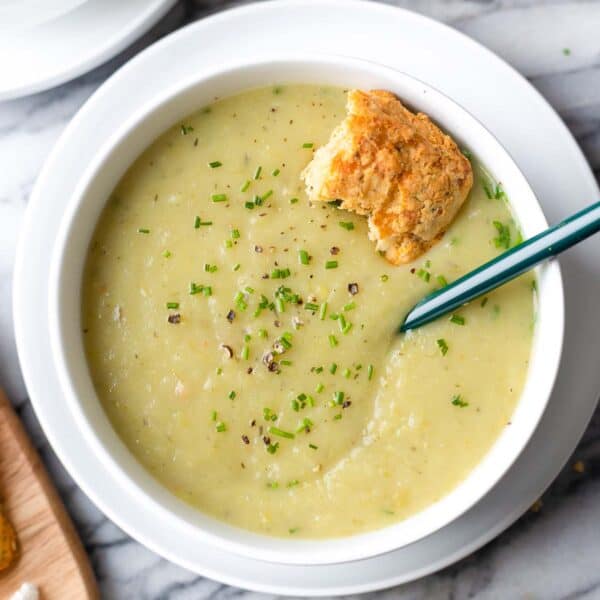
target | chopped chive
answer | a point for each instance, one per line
(273, 485)
(287, 363)
(218, 197)
(279, 305)
(347, 327)
(347, 373)
(235, 234)
(349, 306)
(293, 200)
(348, 225)
(228, 244)
(303, 257)
(172, 305)
(307, 145)
(566, 51)
(442, 280)
(219, 371)
(457, 320)
(323, 311)
(332, 368)
(320, 387)
(280, 273)
(143, 230)
(331, 264)
(503, 238)
(311, 306)
(313, 447)
(272, 448)
(206, 290)
(370, 370)
(424, 275)
(333, 342)
(265, 196)
(231, 395)
(338, 398)
(384, 277)
(210, 268)
(458, 401)
(236, 267)
(197, 223)
(262, 333)
(185, 129)
(443, 346)
(249, 205)
(167, 254)
(341, 322)
(213, 415)
(249, 290)
(221, 427)
(281, 432)
(257, 172)
(245, 352)
(245, 186)
(215, 164)
(337, 417)
(275, 172)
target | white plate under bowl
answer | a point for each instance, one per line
(77, 227)
(546, 153)
(52, 42)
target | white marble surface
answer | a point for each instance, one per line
(553, 553)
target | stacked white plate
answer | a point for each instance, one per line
(468, 73)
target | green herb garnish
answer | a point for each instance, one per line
(281, 433)
(303, 257)
(458, 401)
(443, 346)
(218, 197)
(503, 238)
(457, 320)
(215, 164)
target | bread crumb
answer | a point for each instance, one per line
(536, 506)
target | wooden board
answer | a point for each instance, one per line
(51, 554)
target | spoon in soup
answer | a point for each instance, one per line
(507, 266)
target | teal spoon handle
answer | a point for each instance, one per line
(505, 267)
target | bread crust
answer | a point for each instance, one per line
(396, 167)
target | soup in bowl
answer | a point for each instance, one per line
(231, 346)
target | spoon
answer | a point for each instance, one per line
(505, 267)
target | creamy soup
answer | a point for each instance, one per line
(243, 342)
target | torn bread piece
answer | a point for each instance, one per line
(9, 549)
(396, 167)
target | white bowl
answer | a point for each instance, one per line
(77, 228)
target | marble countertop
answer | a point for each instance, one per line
(552, 552)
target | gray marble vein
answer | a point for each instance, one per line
(552, 553)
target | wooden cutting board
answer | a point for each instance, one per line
(51, 554)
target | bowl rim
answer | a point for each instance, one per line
(233, 539)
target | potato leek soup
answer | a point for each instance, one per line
(243, 340)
